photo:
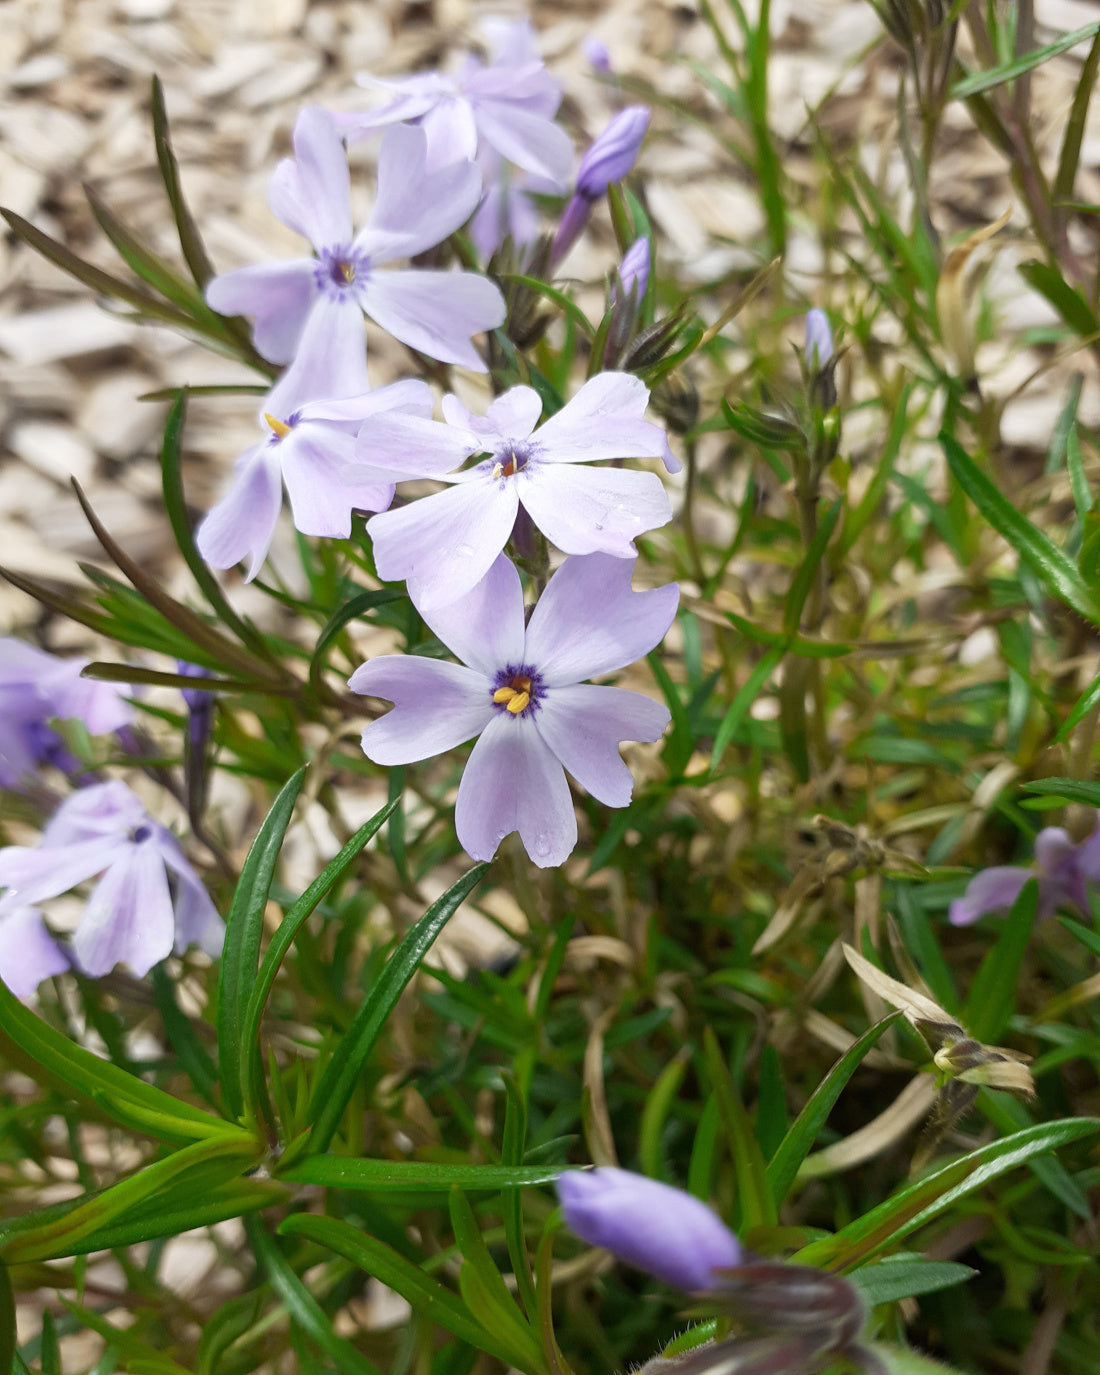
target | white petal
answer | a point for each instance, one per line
(436, 706)
(584, 726)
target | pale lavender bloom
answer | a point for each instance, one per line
(521, 690)
(508, 209)
(595, 50)
(36, 688)
(819, 339)
(443, 544)
(634, 269)
(507, 106)
(318, 302)
(609, 158)
(133, 915)
(309, 449)
(1062, 868)
(654, 1226)
(28, 953)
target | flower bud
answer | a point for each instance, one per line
(819, 340)
(634, 269)
(651, 1225)
(612, 153)
(599, 59)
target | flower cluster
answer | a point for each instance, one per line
(338, 447)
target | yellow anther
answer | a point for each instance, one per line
(504, 694)
(498, 470)
(347, 271)
(277, 425)
(519, 702)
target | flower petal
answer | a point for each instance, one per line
(411, 446)
(444, 544)
(276, 297)
(990, 890)
(435, 312)
(197, 921)
(129, 916)
(28, 953)
(526, 138)
(312, 192)
(590, 621)
(514, 783)
(33, 875)
(101, 811)
(515, 414)
(317, 462)
(415, 208)
(594, 510)
(485, 628)
(242, 524)
(604, 420)
(451, 132)
(436, 706)
(584, 726)
(331, 361)
(410, 396)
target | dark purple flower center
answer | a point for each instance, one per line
(511, 458)
(340, 270)
(140, 833)
(518, 690)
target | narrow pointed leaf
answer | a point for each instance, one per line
(992, 996)
(190, 240)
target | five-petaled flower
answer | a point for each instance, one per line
(443, 544)
(133, 915)
(318, 302)
(521, 690)
(1062, 868)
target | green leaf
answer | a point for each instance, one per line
(341, 1074)
(26, 1040)
(7, 1321)
(260, 986)
(1066, 300)
(746, 696)
(183, 1038)
(919, 1203)
(426, 1295)
(1069, 789)
(900, 1360)
(303, 1307)
(1070, 156)
(992, 997)
(798, 1142)
(1009, 71)
(190, 240)
(243, 929)
(902, 1277)
(755, 1203)
(803, 580)
(57, 1236)
(353, 608)
(857, 520)
(1049, 563)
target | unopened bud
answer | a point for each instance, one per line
(612, 153)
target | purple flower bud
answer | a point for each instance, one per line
(573, 220)
(634, 269)
(819, 340)
(598, 56)
(612, 153)
(651, 1225)
(196, 698)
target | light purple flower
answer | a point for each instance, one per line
(599, 59)
(509, 208)
(609, 158)
(521, 690)
(36, 688)
(507, 106)
(443, 544)
(819, 339)
(654, 1226)
(1062, 868)
(311, 450)
(135, 914)
(28, 953)
(318, 302)
(634, 269)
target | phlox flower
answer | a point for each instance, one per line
(135, 914)
(507, 106)
(520, 689)
(819, 339)
(309, 449)
(37, 688)
(1062, 868)
(609, 157)
(656, 1227)
(508, 209)
(324, 297)
(443, 544)
(28, 953)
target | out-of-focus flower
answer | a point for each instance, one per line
(521, 690)
(508, 106)
(318, 302)
(509, 209)
(1062, 868)
(819, 339)
(628, 286)
(311, 450)
(599, 59)
(443, 544)
(609, 158)
(36, 688)
(28, 953)
(133, 915)
(654, 1226)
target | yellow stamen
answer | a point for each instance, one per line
(277, 425)
(498, 470)
(347, 271)
(504, 694)
(521, 683)
(519, 702)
